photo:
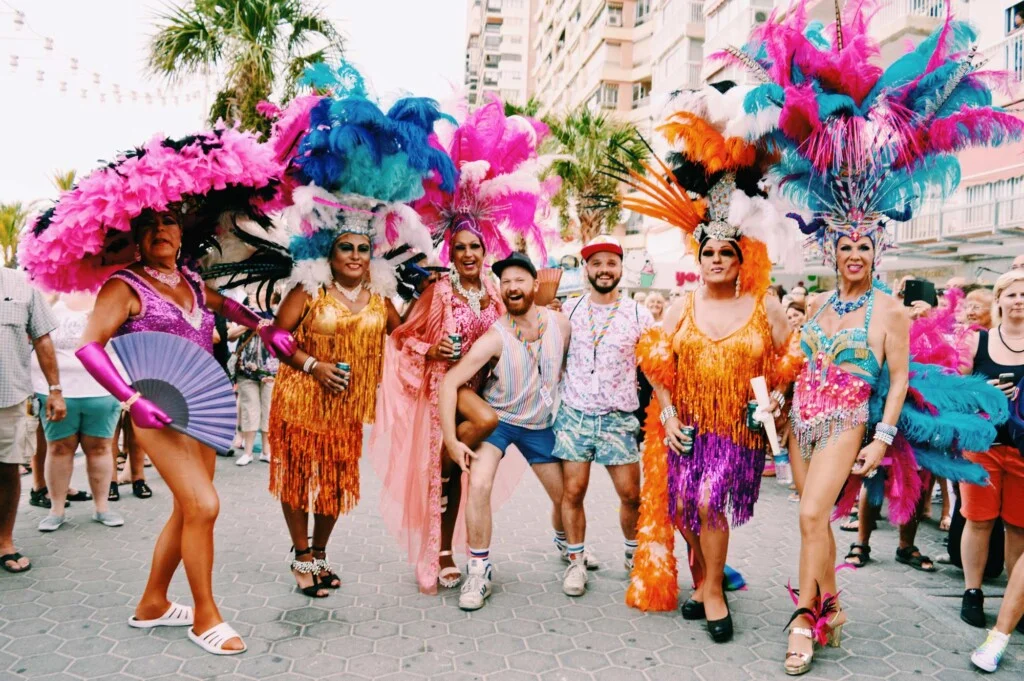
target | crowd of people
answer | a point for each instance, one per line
(384, 226)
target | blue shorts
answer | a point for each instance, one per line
(90, 416)
(536, 445)
(607, 440)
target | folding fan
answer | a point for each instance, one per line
(185, 381)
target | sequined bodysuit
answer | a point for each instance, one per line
(156, 313)
(831, 394)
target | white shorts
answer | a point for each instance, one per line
(254, 405)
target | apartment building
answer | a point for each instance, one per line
(498, 55)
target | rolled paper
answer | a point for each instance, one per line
(760, 387)
(547, 285)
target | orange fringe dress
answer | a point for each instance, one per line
(711, 394)
(317, 435)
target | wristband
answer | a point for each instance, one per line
(264, 323)
(127, 404)
(667, 413)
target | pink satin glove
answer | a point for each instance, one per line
(275, 339)
(97, 362)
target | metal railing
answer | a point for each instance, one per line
(1007, 55)
(963, 220)
(891, 10)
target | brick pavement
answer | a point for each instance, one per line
(66, 618)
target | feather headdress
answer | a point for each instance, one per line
(86, 235)
(710, 186)
(860, 145)
(499, 193)
(352, 168)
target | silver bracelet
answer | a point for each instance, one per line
(886, 433)
(667, 413)
(779, 398)
(309, 364)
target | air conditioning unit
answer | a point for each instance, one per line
(615, 20)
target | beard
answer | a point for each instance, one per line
(520, 305)
(601, 288)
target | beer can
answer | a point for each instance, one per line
(456, 340)
(753, 423)
(344, 366)
(690, 432)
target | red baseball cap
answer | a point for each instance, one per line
(601, 244)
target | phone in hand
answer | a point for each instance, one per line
(919, 289)
(1006, 378)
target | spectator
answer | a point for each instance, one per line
(977, 308)
(798, 294)
(655, 304)
(1018, 263)
(640, 296)
(796, 314)
(134, 457)
(91, 419)
(254, 374)
(674, 295)
(25, 316)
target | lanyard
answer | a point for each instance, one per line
(599, 336)
(535, 355)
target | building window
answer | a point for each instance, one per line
(514, 4)
(515, 40)
(615, 15)
(634, 222)
(492, 60)
(641, 93)
(491, 79)
(643, 11)
(492, 42)
(492, 28)
(507, 56)
(1015, 18)
(493, 5)
(605, 97)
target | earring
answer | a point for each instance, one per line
(737, 287)
(138, 254)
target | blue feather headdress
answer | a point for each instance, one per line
(861, 146)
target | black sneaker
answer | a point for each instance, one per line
(972, 608)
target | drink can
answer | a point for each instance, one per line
(690, 432)
(752, 423)
(456, 340)
(344, 366)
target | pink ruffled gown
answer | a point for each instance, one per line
(406, 446)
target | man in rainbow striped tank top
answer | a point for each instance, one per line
(528, 345)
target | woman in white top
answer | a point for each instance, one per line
(91, 420)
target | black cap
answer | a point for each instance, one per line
(514, 260)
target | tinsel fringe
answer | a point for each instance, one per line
(322, 464)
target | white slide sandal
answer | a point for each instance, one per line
(176, 616)
(213, 640)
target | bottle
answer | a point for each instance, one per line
(783, 473)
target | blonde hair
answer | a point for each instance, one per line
(984, 298)
(1004, 282)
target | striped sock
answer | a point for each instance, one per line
(630, 545)
(560, 540)
(574, 550)
(481, 554)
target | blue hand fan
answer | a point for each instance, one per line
(185, 381)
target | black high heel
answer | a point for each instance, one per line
(693, 610)
(308, 567)
(327, 577)
(721, 630)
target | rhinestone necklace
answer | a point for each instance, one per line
(473, 298)
(351, 294)
(842, 308)
(172, 279)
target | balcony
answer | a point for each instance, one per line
(957, 223)
(1008, 56)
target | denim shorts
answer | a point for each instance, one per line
(90, 416)
(535, 445)
(608, 439)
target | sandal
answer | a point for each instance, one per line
(80, 495)
(308, 567)
(327, 578)
(122, 459)
(861, 553)
(114, 494)
(40, 498)
(14, 558)
(852, 523)
(804, 660)
(212, 640)
(945, 522)
(141, 489)
(912, 556)
(176, 616)
(449, 577)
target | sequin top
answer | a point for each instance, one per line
(157, 313)
(847, 346)
(471, 326)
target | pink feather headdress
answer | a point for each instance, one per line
(500, 193)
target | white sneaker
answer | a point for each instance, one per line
(477, 586)
(628, 562)
(109, 518)
(575, 581)
(987, 656)
(245, 460)
(51, 523)
(588, 558)
(265, 458)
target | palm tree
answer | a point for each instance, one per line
(259, 44)
(12, 221)
(64, 180)
(531, 108)
(584, 142)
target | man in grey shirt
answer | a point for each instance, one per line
(24, 317)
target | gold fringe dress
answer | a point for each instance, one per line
(317, 435)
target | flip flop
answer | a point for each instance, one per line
(213, 639)
(176, 616)
(14, 557)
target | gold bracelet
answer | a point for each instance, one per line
(127, 404)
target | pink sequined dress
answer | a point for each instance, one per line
(160, 314)
(406, 446)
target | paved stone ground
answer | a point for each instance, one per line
(66, 618)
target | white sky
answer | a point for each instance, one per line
(401, 46)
